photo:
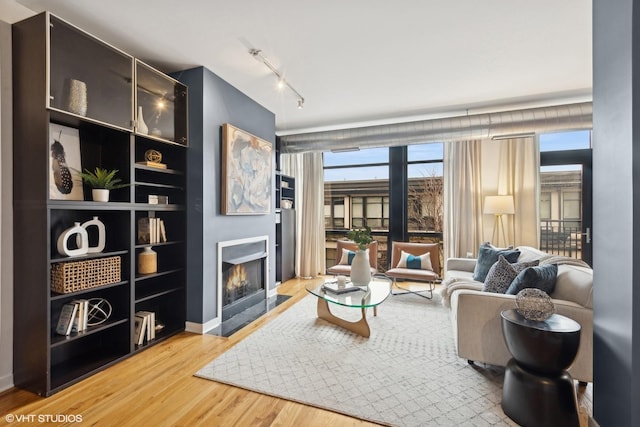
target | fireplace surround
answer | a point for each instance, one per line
(242, 274)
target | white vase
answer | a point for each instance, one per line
(99, 226)
(141, 126)
(100, 195)
(361, 269)
(82, 241)
(147, 261)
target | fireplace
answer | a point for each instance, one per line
(243, 267)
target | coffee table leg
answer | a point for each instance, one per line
(361, 327)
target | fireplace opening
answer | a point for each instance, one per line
(243, 283)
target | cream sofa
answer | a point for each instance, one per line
(476, 321)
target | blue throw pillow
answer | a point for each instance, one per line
(488, 255)
(542, 277)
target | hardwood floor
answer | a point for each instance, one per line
(157, 388)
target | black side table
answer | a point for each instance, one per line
(537, 390)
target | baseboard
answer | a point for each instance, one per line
(202, 328)
(6, 382)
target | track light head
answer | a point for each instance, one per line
(257, 54)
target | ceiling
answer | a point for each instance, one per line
(360, 62)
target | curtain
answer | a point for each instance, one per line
(463, 198)
(307, 169)
(519, 175)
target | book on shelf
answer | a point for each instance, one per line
(81, 317)
(151, 230)
(67, 316)
(153, 164)
(140, 329)
(147, 329)
(335, 289)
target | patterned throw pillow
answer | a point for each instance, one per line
(347, 257)
(488, 255)
(502, 273)
(416, 262)
(542, 277)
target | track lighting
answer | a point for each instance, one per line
(257, 54)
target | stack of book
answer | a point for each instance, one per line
(73, 317)
(151, 230)
(145, 329)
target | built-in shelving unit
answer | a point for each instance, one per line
(285, 222)
(92, 98)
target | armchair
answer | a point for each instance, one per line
(345, 269)
(422, 273)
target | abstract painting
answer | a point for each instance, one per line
(246, 173)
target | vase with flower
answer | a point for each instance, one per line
(360, 266)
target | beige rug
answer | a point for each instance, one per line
(406, 374)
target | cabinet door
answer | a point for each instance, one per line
(161, 105)
(89, 78)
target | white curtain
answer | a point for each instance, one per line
(463, 198)
(307, 169)
(518, 175)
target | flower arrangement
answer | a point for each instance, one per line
(361, 236)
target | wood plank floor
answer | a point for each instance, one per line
(157, 388)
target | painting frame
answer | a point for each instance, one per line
(65, 161)
(246, 173)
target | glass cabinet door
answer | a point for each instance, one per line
(89, 78)
(161, 105)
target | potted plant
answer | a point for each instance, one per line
(360, 267)
(361, 236)
(101, 181)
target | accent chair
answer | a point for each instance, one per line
(415, 261)
(343, 267)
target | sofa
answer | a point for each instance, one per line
(475, 314)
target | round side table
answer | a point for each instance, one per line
(537, 390)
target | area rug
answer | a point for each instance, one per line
(406, 374)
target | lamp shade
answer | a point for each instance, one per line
(498, 205)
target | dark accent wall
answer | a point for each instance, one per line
(616, 196)
(213, 102)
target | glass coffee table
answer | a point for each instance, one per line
(371, 296)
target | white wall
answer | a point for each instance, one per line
(10, 12)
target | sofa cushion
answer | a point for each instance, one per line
(502, 273)
(488, 255)
(529, 253)
(542, 277)
(417, 262)
(574, 284)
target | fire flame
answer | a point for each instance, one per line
(237, 277)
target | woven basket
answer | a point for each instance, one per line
(67, 277)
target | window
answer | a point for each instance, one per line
(561, 141)
(425, 207)
(358, 181)
(545, 205)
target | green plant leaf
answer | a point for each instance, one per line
(101, 178)
(361, 236)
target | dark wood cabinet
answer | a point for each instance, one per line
(75, 89)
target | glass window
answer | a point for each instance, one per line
(560, 141)
(365, 156)
(425, 207)
(571, 203)
(545, 205)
